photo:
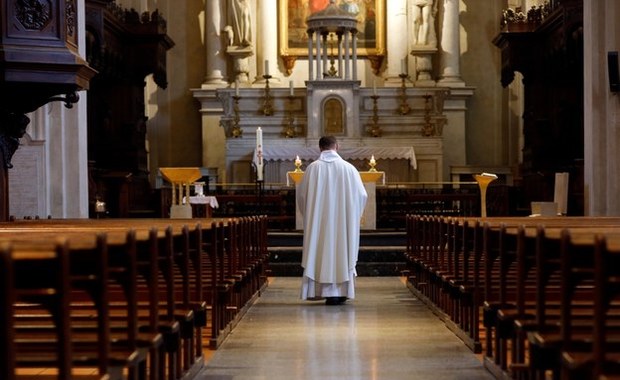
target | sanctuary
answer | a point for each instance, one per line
(410, 115)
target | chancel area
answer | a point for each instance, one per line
(151, 152)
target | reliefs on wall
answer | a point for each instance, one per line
(33, 14)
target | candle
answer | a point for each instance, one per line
(259, 154)
(374, 86)
(266, 67)
(297, 161)
(237, 87)
(290, 87)
(372, 159)
(403, 66)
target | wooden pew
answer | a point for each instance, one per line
(188, 271)
(89, 266)
(147, 246)
(510, 281)
(157, 249)
(605, 362)
(7, 298)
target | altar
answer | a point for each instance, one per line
(369, 216)
(289, 153)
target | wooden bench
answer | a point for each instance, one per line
(520, 281)
(186, 262)
(98, 342)
(170, 250)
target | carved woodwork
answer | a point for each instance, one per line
(124, 47)
(549, 55)
(39, 63)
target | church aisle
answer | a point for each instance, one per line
(385, 333)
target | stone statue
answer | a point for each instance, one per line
(240, 21)
(423, 13)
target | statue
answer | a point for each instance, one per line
(423, 13)
(240, 22)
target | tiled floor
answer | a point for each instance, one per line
(385, 333)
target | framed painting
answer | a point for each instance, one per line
(293, 37)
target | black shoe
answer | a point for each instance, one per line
(335, 300)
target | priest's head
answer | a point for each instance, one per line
(328, 143)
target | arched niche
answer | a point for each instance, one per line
(333, 121)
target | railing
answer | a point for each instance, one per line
(394, 201)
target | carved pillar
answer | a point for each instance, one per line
(450, 44)
(267, 44)
(396, 23)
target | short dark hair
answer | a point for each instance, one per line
(327, 143)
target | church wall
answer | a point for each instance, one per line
(174, 127)
(480, 62)
(177, 126)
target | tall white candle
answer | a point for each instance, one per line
(403, 66)
(237, 87)
(290, 87)
(266, 67)
(259, 154)
(374, 86)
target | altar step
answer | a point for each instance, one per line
(381, 253)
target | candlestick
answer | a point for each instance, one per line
(267, 103)
(236, 129)
(404, 104)
(372, 163)
(259, 154)
(374, 129)
(297, 164)
(289, 129)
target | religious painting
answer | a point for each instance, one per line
(293, 37)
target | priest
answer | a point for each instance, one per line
(331, 199)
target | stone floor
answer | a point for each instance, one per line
(385, 333)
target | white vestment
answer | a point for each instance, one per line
(331, 198)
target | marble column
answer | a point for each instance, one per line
(396, 24)
(266, 43)
(310, 56)
(450, 44)
(216, 58)
(354, 54)
(601, 110)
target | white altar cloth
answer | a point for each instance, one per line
(203, 200)
(285, 153)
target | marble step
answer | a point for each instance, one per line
(372, 261)
(367, 238)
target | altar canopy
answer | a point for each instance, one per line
(287, 153)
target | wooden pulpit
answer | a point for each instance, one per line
(39, 63)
